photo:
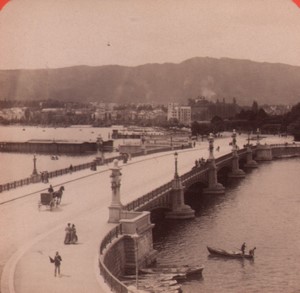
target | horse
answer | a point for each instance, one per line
(58, 194)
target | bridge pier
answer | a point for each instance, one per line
(236, 171)
(179, 209)
(213, 186)
(116, 206)
(250, 163)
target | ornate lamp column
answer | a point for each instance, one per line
(250, 162)
(179, 209)
(236, 171)
(213, 186)
(176, 166)
(116, 206)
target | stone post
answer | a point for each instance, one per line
(116, 206)
(213, 186)
(236, 171)
(179, 209)
(250, 163)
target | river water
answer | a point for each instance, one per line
(264, 211)
(16, 166)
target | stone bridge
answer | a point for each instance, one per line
(170, 196)
(162, 197)
(132, 237)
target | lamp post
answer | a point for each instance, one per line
(257, 135)
(176, 167)
(248, 139)
(135, 237)
(34, 172)
(100, 148)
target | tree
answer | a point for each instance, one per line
(254, 107)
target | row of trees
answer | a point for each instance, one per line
(251, 120)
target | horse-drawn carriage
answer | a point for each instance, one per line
(51, 199)
(47, 199)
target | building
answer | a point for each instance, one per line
(183, 114)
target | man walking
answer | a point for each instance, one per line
(57, 261)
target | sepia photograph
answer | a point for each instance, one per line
(149, 146)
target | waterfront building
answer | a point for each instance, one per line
(182, 113)
(203, 109)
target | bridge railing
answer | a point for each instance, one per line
(110, 236)
(135, 204)
(114, 283)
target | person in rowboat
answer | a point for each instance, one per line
(243, 247)
(251, 251)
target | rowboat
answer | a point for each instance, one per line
(179, 273)
(227, 253)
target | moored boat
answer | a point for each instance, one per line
(228, 253)
(184, 271)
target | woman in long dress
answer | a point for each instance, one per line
(74, 237)
(68, 231)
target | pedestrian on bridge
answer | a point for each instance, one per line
(56, 260)
(68, 231)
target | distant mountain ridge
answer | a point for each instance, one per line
(270, 83)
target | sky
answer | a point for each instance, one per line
(61, 33)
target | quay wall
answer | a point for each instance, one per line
(286, 150)
(53, 147)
